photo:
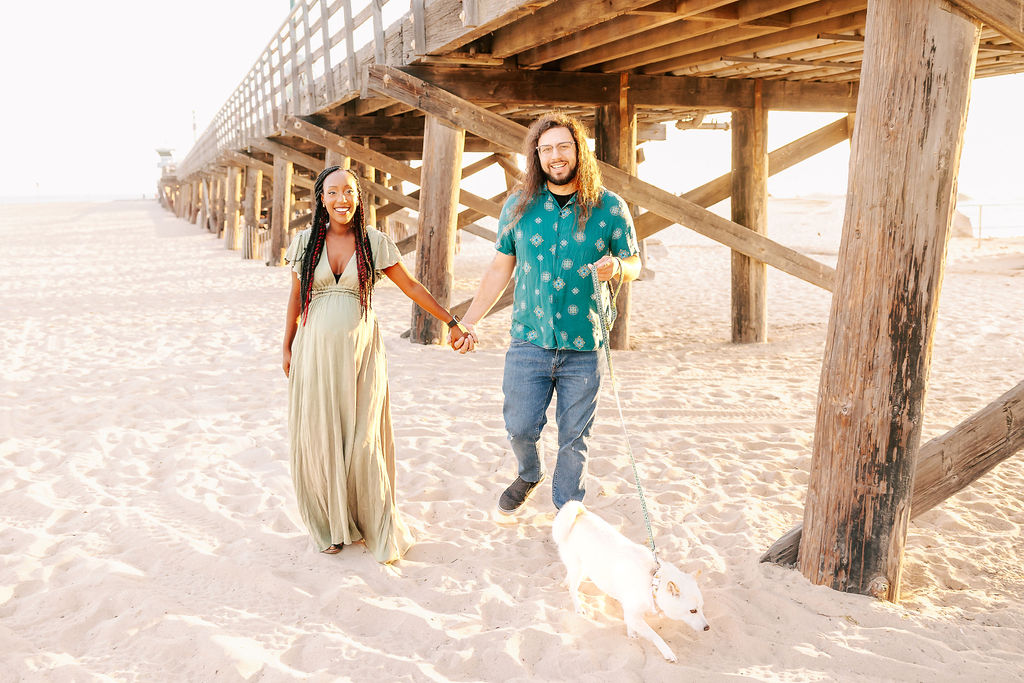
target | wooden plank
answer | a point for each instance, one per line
(435, 253)
(448, 33)
(947, 464)
(325, 41)
(281, 211)
(749, 277)
(1005, 15)
(378, 32)
(268, 170)
(559, 19)
(458, 112)
(682, 57)
(918, 68)
(350, 49)
(308, 60)
(617, 29)
(419, 28)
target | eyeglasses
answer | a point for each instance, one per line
(563, 148)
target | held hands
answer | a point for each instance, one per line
(607, 267)
(462, 338)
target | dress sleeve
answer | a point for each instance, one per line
(385, 251)
(297, 251)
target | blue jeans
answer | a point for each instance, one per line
(532, 375)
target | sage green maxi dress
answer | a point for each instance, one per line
(339, 418)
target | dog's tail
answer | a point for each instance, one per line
(565, 520)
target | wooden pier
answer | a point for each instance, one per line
(374, 85)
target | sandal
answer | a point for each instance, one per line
(333, 549)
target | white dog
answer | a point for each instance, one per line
(592, 548)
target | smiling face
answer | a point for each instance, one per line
(556, 150)
(340, 197)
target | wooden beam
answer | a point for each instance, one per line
(947, 464)
(252, 208)
(448, 33)
(594, 89)
(232, 224)
(918, 67)
(615, 144)
(750, 209)
(458, 112)
(779, 160)
(268, 170)
(280, 211)
(1006, 16)
(435, 253)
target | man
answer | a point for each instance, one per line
(556, 225)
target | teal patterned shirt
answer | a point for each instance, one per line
(555, 306)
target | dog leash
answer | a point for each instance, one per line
(606, 326)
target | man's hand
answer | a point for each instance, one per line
(463, 338)
(607, 268)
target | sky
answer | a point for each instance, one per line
(100, 86)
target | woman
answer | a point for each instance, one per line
(341, 442)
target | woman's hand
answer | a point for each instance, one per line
(287, 364)
(462, 338)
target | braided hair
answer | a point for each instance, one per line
(318, 235)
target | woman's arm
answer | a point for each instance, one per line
(422, 297)
(291, 323)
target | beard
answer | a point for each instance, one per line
(570, 177)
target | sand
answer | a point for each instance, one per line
(149, 528)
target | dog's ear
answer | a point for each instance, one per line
(673, 589)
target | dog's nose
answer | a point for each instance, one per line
(708, 627)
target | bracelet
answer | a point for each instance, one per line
(453, 322)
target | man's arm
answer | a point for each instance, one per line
(609, 267)
(493, 283)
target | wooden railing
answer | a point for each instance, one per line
(312, 61)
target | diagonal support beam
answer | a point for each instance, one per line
(1006, 16)
(402, 87)
(719, 189)
(329, 140)
(947, 464)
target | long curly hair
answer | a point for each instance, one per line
(317, 237)
(588, 175)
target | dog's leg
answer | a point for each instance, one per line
(635, 625)
(573, 579)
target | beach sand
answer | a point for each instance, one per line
(150, 531)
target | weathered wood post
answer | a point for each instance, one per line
(439, 212)
(253, 206)
(615, 144)
(233, 230)
(750, 209)
(915, 86)
(333, 157)
(370, 206)
(204, 202)
(281, 210)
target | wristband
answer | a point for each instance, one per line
(453, 322)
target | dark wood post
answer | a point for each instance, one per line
(912, 106)
(253, 207)
(615, 144)
(232, 226)
(281, 210)
(439, 212)
(750, 209)
(333, 157)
